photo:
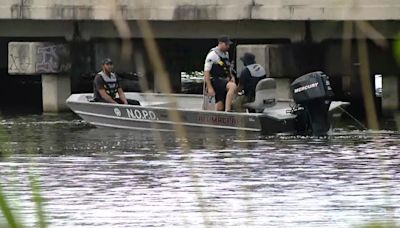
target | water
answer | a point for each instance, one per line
(93, 177)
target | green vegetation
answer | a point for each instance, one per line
(8, 218)
(383, 224)
(38, 200)
(11, 220)
(396, 48)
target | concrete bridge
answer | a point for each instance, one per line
(172, 10)
(196, 19)
(315, 30)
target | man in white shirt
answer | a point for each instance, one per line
(217, 75)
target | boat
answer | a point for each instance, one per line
(164, 112)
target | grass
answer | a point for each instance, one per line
(381, 224)
(38, 200)
(396, 48)
(10, 218)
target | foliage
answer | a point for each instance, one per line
(381, 224)
(396, 48)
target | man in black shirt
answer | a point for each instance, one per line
(250, 76)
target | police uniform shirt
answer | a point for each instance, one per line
(214, 56)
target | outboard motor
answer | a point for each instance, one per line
(312, 92)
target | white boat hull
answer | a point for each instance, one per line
(159, 112)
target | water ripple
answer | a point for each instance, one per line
(109, 178)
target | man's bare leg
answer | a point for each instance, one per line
(231, 88)
(219, 106)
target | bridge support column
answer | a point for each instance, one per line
(55, 90)
(390, 94)
(51, 60)
(283, 88)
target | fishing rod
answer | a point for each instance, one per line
(234, 62)
(352, 117)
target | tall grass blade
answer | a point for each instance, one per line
(38, 201)
(6, 211)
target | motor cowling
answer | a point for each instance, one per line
(312, 92)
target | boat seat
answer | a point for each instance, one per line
(265, 95)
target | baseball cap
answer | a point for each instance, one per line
(248, 58)
(107, 61)
(225, 39)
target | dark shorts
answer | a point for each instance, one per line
(219, 85)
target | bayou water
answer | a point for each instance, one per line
(100, 177)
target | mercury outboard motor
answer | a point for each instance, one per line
(312, 92)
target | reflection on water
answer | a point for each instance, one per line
(95, 177)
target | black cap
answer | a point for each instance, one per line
(107, 61)
(225, 39)
(248, 58)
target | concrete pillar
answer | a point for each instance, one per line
(55, 90)
(51, 60)
(390, 94)
(397, 120)
(283, 88)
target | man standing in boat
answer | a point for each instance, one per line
(217, 75)
(106, 85)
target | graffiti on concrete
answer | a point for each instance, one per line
(195, 12)
(18, 58)
(62, 11)
(21, 10)
(38, 57)
(52, 58)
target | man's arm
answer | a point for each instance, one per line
(239, 88)
(99, 86)
(106, 97)
(242, 80)
(231, 76)
(121, 95)
(211, 58)
(207, 78)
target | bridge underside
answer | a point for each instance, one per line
(203, 29)
(330, 46)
